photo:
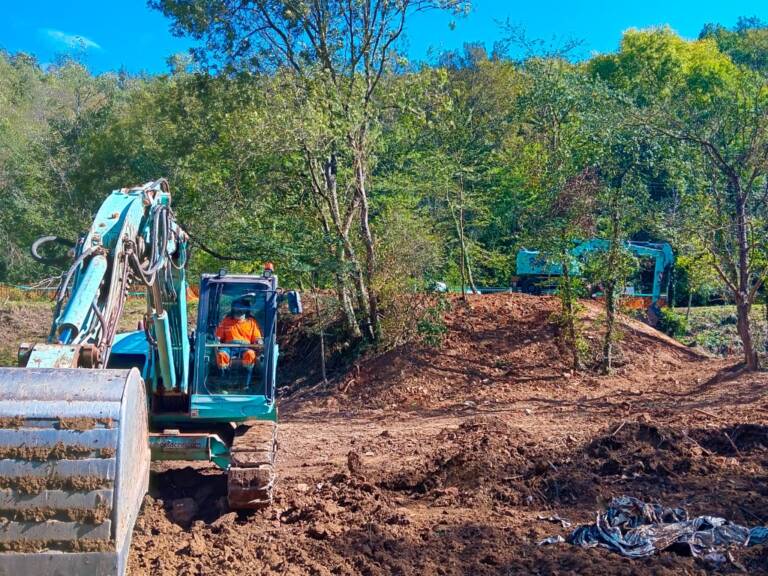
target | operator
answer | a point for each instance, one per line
(238, 327)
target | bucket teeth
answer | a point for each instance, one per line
(251, 477)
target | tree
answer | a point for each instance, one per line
(625, 154)
(46, 117)
(717, 111)
(700, 276)
(335, 54)
(746, 43)
(442, 151)
(562, 184)
(211, 137)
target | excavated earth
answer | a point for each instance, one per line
(459, 460)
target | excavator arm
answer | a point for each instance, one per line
(133, 242)
(74, 455)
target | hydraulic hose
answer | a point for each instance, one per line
(40, 242)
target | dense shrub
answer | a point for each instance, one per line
(672, 323)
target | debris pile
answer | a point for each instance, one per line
(636, 529)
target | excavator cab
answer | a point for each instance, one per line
(234, 341)
(235, 349)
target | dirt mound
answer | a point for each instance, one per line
(473, 498)
(486, 461)
(482, 459)
(344, 525)
(459, 460)
(495, 348)
(633, 457)
(637, 448)
(329, 527)
(656, 463)
(736, 440)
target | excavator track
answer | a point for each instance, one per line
(251, 475)
(74, 468)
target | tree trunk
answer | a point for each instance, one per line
(466, 270)
(342, 293)
(613, 283)
(671, 288)
(362, 276)
(334, 241)
(322, 333)
(743, 302)
(370, 252)
(745, 333)
(690, 300)
(464, 251)
(765, 311)
(610, 320)
(348, 311)
(341, 228)
(463, 274)
(566, 301)
(361, 290)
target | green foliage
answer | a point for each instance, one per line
(45, 118)
(672, 323)
(568, 318)
(602, 267)
(746, 43)
(431, 326)
(714, 328)
(463, 162)
(700, 278)
(657, 64)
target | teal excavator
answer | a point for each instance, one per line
(86, 411)
(648, 291)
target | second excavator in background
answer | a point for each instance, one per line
(648, 290)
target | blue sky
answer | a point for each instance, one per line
(110, 33)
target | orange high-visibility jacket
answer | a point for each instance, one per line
(233, 330)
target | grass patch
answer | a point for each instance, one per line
(713, 328)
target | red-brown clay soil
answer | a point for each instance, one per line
(455, 461)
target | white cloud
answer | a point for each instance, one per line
(70, 40)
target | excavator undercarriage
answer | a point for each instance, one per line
(251, 476)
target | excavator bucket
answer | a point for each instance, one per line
(74, 468)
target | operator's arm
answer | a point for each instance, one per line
(219, 332)
(256, 337)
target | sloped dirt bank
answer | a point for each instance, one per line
(459, 460)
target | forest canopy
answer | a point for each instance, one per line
(307, 139)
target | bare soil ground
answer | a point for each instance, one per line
(22, 322)
(453, 461)
(30, 321)
(458, 460)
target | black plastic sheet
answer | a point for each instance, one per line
(636, 529)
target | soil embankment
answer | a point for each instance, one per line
(459, 460)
